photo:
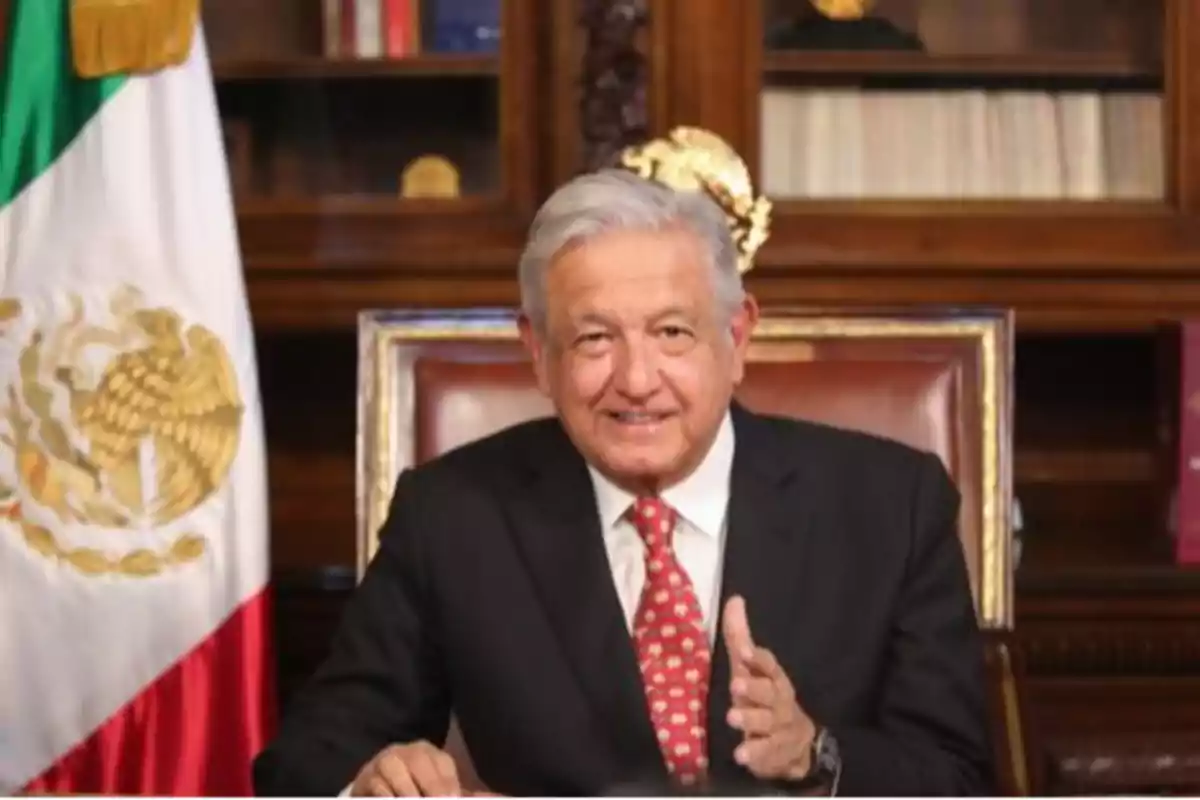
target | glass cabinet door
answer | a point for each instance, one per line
(377, 100)
(962, 99)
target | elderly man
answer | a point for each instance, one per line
(656, 588)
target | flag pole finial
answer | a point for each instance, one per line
(122, 36)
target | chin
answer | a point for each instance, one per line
(639, 469)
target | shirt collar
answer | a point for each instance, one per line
(700, 498)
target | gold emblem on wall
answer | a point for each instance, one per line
(114, 434)
(694, 159)
(430, 176)
(112, 37)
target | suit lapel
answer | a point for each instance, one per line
(558, 532)
(765, 562)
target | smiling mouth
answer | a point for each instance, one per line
(639, 417)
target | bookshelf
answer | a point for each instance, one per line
(988, 152)
(230, 70)
(864, 67)
(322, 129)
(879, 202)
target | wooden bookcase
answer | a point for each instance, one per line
(1106, 618)
(1091, 279)
(324, 141)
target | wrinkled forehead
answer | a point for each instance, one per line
(631, 275)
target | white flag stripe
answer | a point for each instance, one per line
(140, 198)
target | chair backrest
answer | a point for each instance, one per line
(1020, 770)
(431, 381)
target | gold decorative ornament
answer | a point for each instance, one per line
(430, 176)
(116, 432)
(112, 37)
(694, 159)
(842, 9)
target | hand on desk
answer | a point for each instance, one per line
(777, 733)
(411, 770)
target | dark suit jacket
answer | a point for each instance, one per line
(491, 593)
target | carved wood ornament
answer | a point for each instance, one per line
(615, 74)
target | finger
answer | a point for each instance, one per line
(448, 770)
(752, 721)
(735, 626)
(770, 756)
(750, 691)
(434, 772)
(378, 786)
(763, 662)
(396, 776)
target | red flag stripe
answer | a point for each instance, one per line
(193, 731)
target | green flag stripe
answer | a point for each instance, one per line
(43, 103)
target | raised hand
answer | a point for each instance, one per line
(777, 733)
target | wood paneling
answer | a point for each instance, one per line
(308, 390)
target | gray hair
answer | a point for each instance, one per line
(616, 199)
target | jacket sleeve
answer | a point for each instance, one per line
(382, 681)
(932, 735)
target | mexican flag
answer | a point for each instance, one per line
(133, 526)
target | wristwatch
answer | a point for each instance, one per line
(824, 768)
(826, 764)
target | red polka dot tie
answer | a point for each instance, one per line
(672, 646)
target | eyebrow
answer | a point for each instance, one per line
(595, 318)
(674, 311)
(590, 318)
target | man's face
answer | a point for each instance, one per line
(638, 355)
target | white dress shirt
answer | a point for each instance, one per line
(700, 503)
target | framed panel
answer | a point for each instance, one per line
(384, 136)
(1090, 51)
(996, 100)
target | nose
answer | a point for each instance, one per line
(635, 374)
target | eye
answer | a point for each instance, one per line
(674, 331)
(591, 340)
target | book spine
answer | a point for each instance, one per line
(369, 29)
(331, 18)
(400, 26)
(465, 26)
(347, 27)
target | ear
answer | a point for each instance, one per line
(537, 351)
(742, 325)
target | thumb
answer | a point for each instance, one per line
(735, 626)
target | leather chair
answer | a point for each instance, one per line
(431, 381)
(1020, 773)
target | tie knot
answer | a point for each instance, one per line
(655, 522)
